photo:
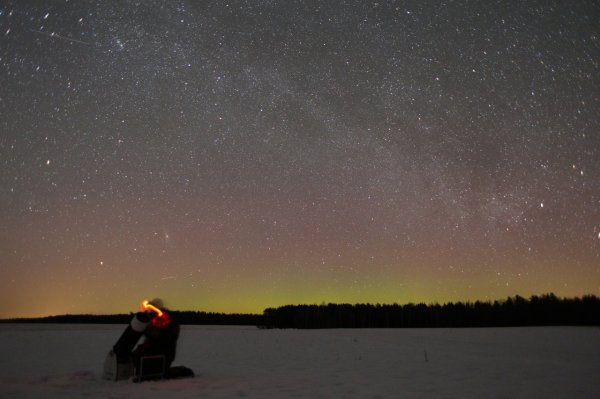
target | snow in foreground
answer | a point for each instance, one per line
(56, 361)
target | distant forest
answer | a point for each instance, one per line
(182, 317)
(545, 310)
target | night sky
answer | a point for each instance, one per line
(235, 155)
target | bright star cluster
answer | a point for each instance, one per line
(231, 155)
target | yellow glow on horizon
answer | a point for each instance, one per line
(433, 281)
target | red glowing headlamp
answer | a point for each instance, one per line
(161, 319)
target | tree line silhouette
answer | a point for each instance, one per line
(542, 310)
(182, 317)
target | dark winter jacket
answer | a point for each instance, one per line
(159, 340)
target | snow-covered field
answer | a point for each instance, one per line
(52, 361)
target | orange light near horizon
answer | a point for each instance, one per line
(148, 306)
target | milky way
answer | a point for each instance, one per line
(231, 156)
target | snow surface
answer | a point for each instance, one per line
(56, 361)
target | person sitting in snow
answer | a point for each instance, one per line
(160, 335)
(152, 358)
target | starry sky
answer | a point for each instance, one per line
(235, 155)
